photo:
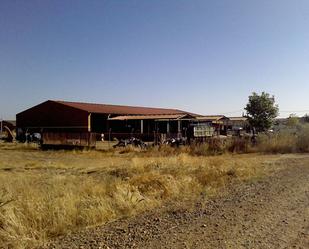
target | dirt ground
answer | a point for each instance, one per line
(269, 212)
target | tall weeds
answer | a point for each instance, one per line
(47, 194)
(285, 141)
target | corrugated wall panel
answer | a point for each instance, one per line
(51, 114)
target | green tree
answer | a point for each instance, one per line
(261, 111)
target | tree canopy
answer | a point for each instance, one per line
(261, 111)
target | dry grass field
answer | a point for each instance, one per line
(44, 194)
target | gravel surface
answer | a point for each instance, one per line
(272, 212)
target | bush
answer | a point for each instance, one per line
(214, 146)
(239, 145)
(285, 141)
(302, 143)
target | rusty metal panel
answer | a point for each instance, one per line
(78, 139)
(50, 115)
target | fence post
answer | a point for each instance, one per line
(109, 137)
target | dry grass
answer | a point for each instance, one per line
(285, 141)
(44, 194)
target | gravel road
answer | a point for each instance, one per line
(271, 212)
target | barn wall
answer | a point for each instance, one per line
(77, 139)
(50, 115)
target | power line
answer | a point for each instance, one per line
(294, 111)
(285, 111)
(240, 110)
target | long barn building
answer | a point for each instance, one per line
(81, 124)
(59, 120)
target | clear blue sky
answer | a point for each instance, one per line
(202, 56)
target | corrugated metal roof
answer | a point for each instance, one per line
(237, 118)
(139, 117)
(211, 117)
(121, 110)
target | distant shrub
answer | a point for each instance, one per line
(302, 143)
(162, 150)
(217, 146)
(239, 145)
(282, 142)
(199, 149)
(285, 141)
(214, 146)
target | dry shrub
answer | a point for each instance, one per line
(19, 146)
(209, 176)
(213, 146)
(199, 149)
(282, 142)
(122, 173)
(285, 141)
(163, 150)
(129, 149)
(302, 143)
(48, 206)
(154, 185)
(216, 146)
(217, 171)
(239, 145)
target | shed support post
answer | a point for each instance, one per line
(142, 126)
(168, 127)
(89, 122)
(179, 128)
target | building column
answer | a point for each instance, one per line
(89, 122)
(142, 126)
(179, 128)
(168, 127)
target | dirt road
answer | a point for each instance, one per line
(272, 212)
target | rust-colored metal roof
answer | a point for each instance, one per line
(120, 110)
(139, 117)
